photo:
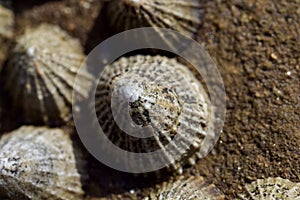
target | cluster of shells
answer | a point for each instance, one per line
(38, 161)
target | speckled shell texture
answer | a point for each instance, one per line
(165, 96)
(39, 163)
(272, 188)
(6, 28)
(41, 73)
(180, 15)
(193, 188)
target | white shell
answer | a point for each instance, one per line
(193, 188)
(180, 15)
(163, 95)
(41, 74)
(6, 28)
(272, 189)
(39, 163)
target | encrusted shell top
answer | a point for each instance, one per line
(193, 188)
(164, 96)
(272, 188)
(39, 163)
(6, 28)
(41, 74)
(180, 15)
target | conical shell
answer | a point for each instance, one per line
(6, 28)
(193, 188)
(163, 95)
(272, 188)
(39, 163)
(41, 74)
(180, 15)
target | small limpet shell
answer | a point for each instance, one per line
(6, 28)
(41, 74)
(193, 188)
(163, 95)
(180, 15)
(272, 188)
(39, 163)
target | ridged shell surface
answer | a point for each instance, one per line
(272, 189)
(39, 163)
(41, 73)
(6, 28)
(193, 188)
(180, 15)
(164, 96)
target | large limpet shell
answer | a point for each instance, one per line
(6, 28)
(163, 95)
(180, 15)
(41, 74)
(39, 163)
(272, 188)
(192, 188)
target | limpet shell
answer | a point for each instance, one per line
(39, 163)
(193, 188)
(180, 15)
(272, 188)
(41, 74)
(6, 28)
(163, 95)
